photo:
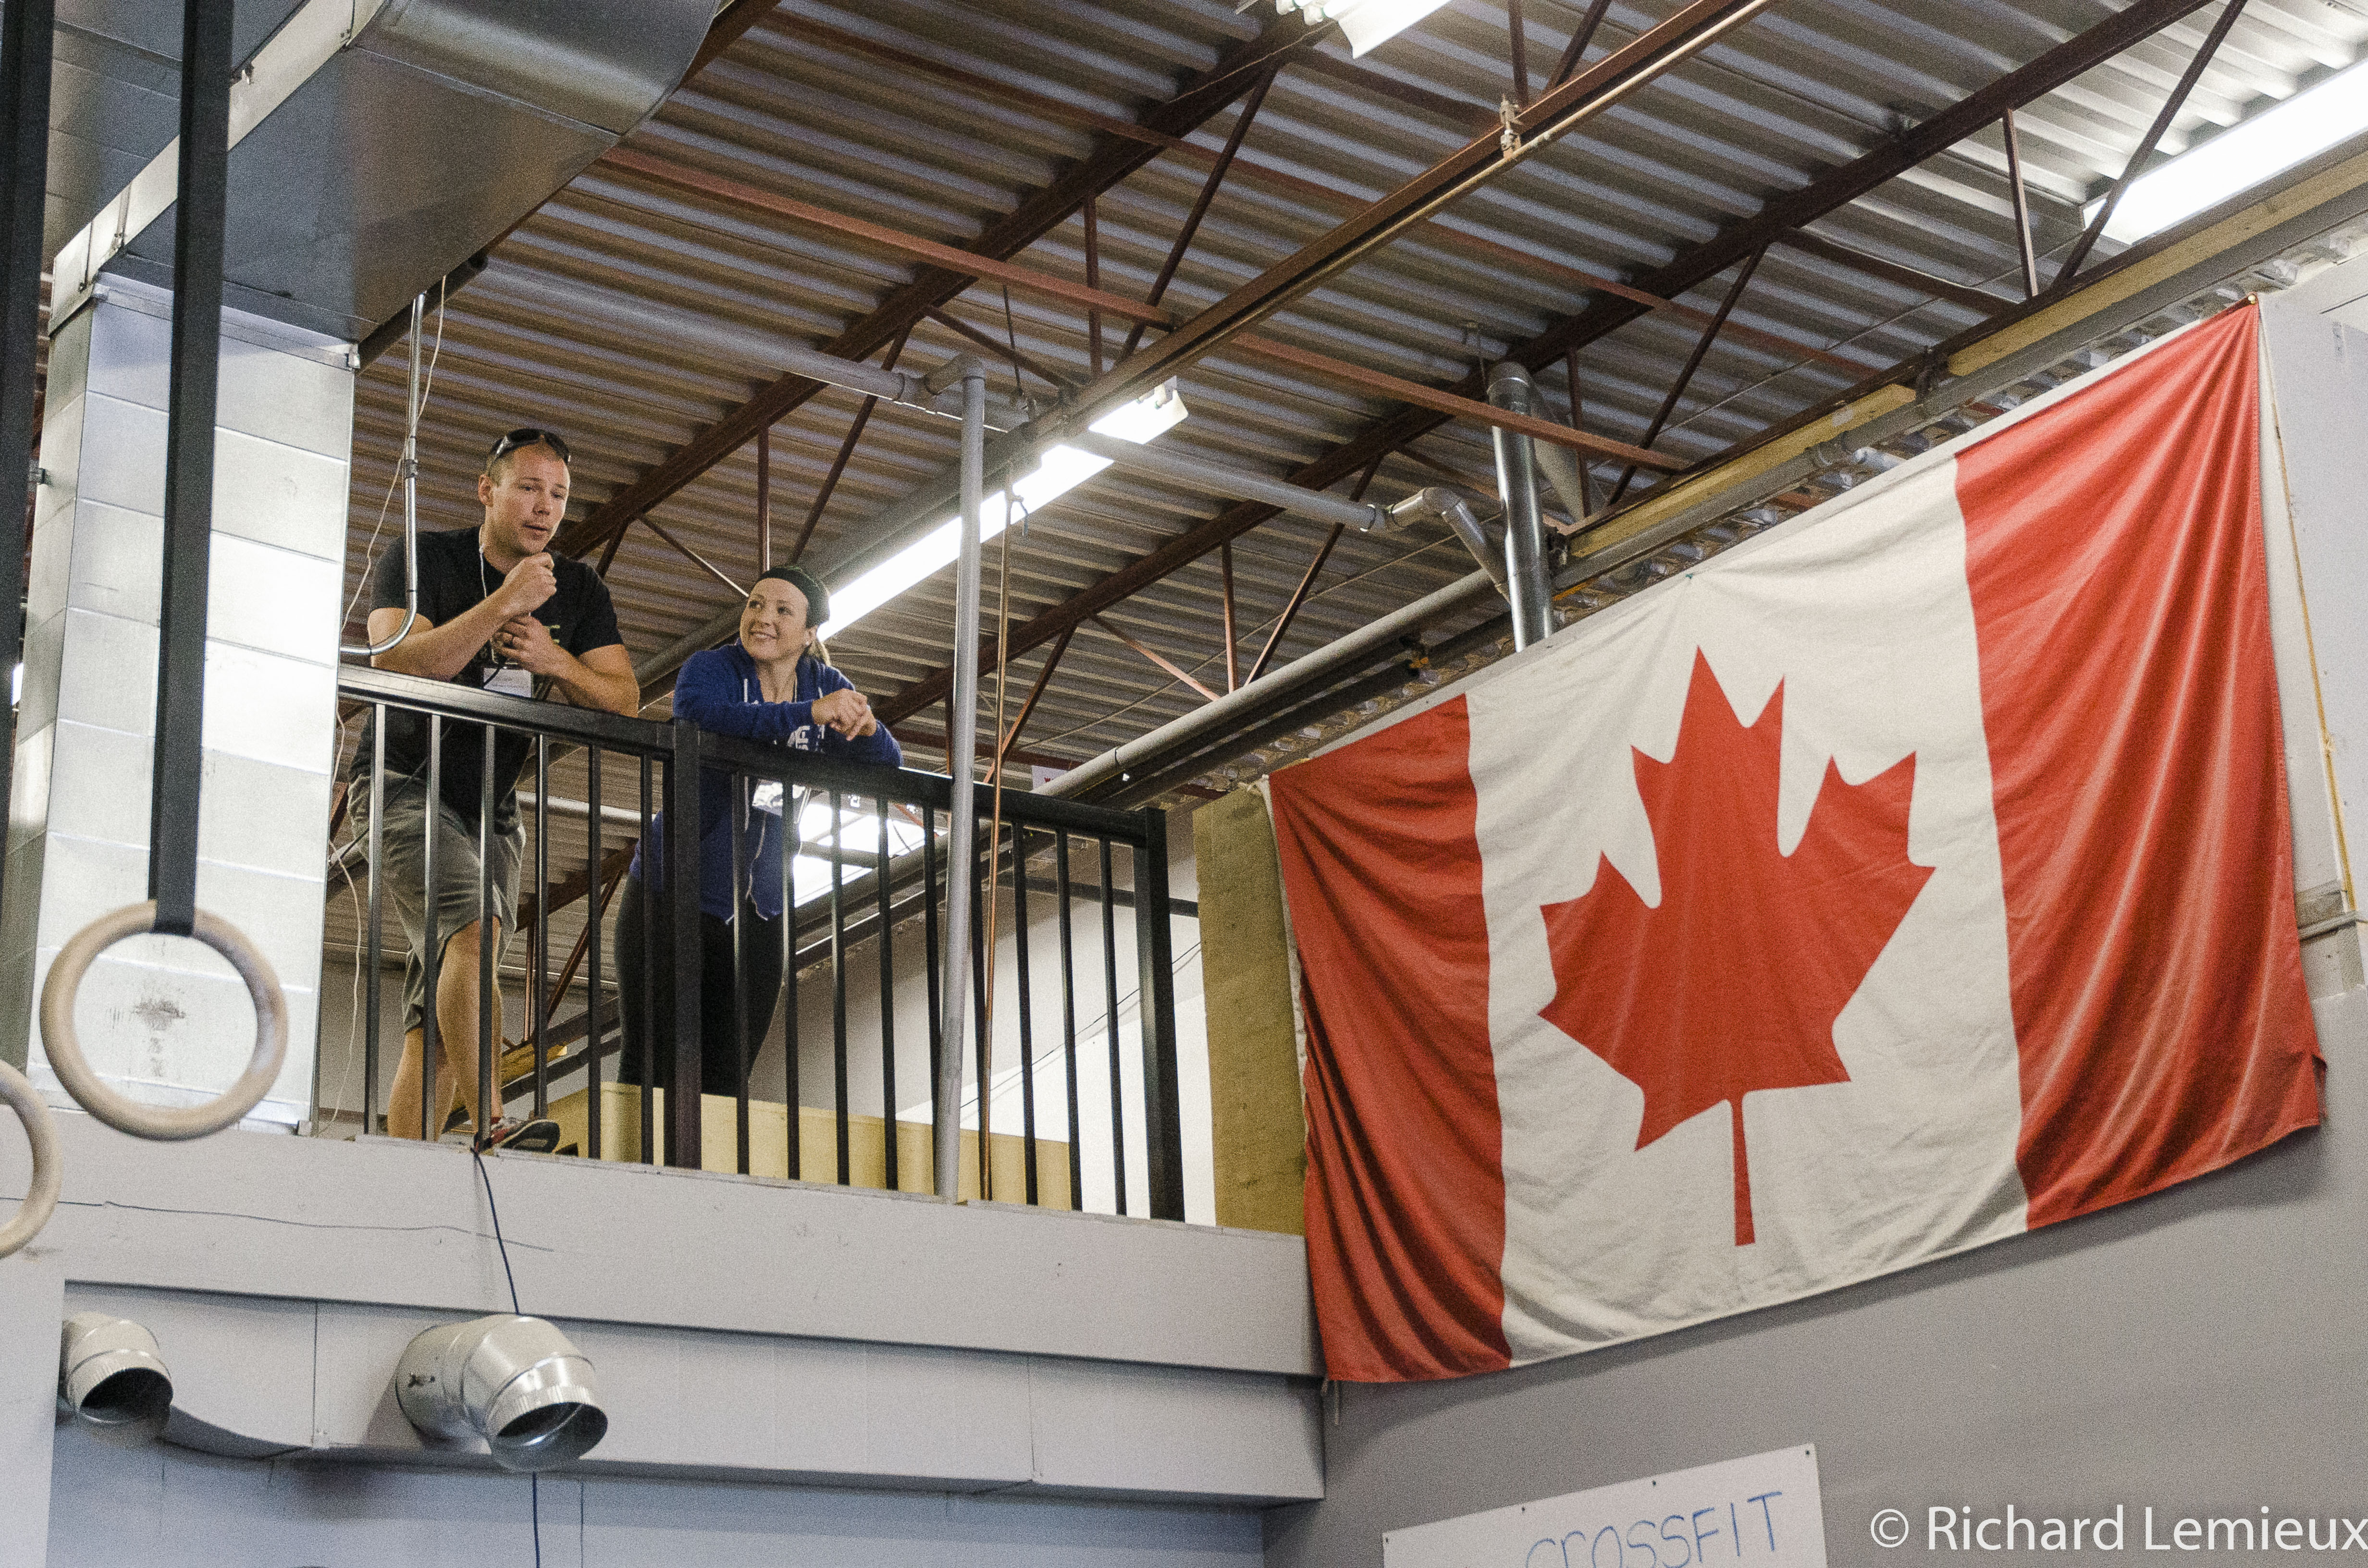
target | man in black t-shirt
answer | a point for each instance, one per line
(496, 610)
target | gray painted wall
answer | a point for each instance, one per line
(164, 1508)
(2200, 1352)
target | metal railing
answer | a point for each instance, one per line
(876, 864)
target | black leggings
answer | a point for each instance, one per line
(719, 1071)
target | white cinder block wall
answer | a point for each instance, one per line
(162, 1016)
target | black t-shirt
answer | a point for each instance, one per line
(455, 578)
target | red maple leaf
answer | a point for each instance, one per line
(1733, 982)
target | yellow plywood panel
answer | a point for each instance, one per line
(621, 1138)
(1259, 1135)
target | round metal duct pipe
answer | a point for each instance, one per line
(112, 1379)
(514, 1382)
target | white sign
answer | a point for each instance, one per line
(1761, 1511)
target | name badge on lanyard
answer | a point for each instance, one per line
(515, 680)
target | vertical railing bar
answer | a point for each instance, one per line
(538, 973)
(982, 1045)
(488, 999)
(790, 1091)
(652, 878)
(431, 962)
(1163, 1131)
(374, 953)
(838, 983)
(937, 1111)
(1020, 981)
(593, 905)
(1110, 998)
(887, 993)
(740, 968)
(685, 1145)
(1069, 1016)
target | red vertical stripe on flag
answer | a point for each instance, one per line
(2114, 551)
(1406, 1196)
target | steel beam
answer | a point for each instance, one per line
(1608, 313)
(1285, 39)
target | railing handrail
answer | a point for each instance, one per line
(651, 737)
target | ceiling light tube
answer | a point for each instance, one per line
(1058, 471)
(2244, 155)
(1363, 22)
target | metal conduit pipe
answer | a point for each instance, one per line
(1557, 463)
(409, 469)
(962, 765)
(1361, 647)
(1211, 479)
(1516, 482)
(1438, 504)
(934, 394)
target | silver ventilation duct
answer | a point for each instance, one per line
(1557, 463)
(112, 1379)
(514, 1382)
(1510, 387)
(378, 144)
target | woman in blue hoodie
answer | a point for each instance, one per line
(772, 685)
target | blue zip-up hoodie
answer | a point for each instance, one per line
(718, 690)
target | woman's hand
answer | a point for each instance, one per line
(846, 712)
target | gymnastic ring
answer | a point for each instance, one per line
(91, 1091)
(41, 1132)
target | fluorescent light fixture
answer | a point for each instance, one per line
(1364, 22)
(2242, 156)
(1058, 472)
(1145, 419)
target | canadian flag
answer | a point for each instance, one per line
(1910, 876)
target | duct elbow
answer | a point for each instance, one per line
(112, 1379)
(516, 1383)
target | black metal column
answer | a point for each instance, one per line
(1155, 948)
(190, 462)
(683, 1142)
(25, 32)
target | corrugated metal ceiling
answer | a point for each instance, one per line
(632, 316)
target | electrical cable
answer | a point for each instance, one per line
(534, 1479)
(386, 502)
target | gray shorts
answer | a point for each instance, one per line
(404, 880)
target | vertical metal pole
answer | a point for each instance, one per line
(431, 962)
(489, 1001)
(537, 978)
(740, 897)
(595, 905)
(1109, 1016)
(839, 982)
(930, 968)
(1232, 652)
(887, 996)
(189, 463)
(765, 498)
(961, 763)
(794, 1155)
(1154, 1011)
(683, 1141)
(373, 953)
(654, 879)
(1027, 1031)
(982, 1044)
(26, 30)
(2021, 208)
(1069, 1017)
(1525, 540)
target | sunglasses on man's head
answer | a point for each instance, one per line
(527, 435)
